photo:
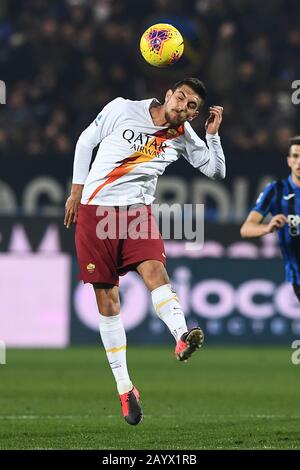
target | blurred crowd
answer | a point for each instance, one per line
(62, 61)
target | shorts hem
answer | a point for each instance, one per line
(132, 266)
(93, 281)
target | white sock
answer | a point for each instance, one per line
(114, 340)
(168, 308)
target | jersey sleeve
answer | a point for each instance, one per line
(210, 159)
(265, 201)
(104, 124)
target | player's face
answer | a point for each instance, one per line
(294, 160)
(181, 105)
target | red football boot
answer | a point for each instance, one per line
(188, 343)
(131, 407)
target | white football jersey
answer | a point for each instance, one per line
(133, 152)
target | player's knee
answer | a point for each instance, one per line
(108, 299)
(109, 307)
(108, 304)
(156, 276)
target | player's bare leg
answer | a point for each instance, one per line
(114, 340)
(168, 308)
(153, 273)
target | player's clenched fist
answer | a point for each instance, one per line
(277, 222)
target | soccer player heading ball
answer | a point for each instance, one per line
(138, 140)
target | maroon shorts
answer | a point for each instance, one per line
(110, 241)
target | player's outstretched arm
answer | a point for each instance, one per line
(254, 228)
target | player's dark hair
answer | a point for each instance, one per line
(195, 84)
(294, 141)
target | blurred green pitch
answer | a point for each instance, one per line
(224, 398)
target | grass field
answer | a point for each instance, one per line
(224, 398)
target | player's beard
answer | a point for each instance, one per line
(173, 118)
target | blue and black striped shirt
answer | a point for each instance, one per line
(283, 197)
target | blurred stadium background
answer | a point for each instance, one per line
(62, 61)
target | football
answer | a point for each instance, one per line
(161, 45)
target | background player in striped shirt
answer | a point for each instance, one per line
(138, 140)
(282, 199)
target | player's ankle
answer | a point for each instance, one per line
(124, 386)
